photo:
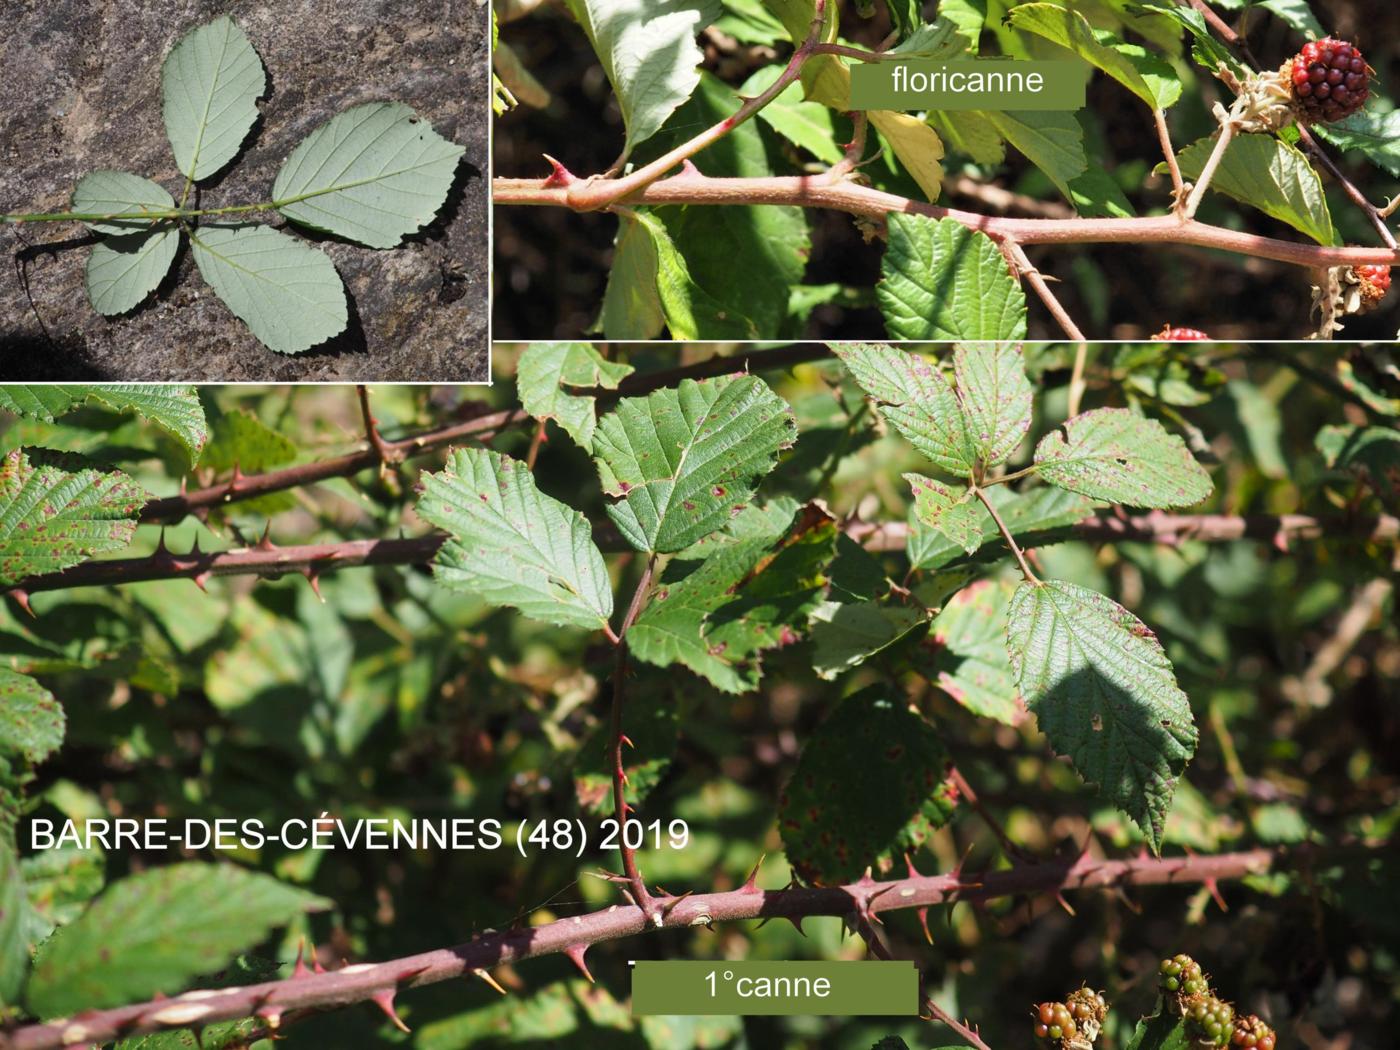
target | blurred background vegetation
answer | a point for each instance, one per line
(394, 697)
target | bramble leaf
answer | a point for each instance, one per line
(118, 193)
(285, 291)
(995, 397)
(649, 53)
(1112, 454)
(373, 174)
(1164, 1030)
(868, 787)
(546, 369)
(942, 281)
(210, 83)
(683, 460)
(1104, 693)
(14, 908)
(1376, 135)
(1268, 174)
(122, 271)
(718, 615)
(31, 720)
(950, 510)
(513, 545)
(51, 519)
(1147, 76)
(1035, 517)
(970, 662)
(846, 634)
(1371, 453)
(150, 933)
(175, 409)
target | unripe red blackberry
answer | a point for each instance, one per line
(1054, 1021)
(1330, 80)
(1181, 976)
(1374, 281)
(1180, 335)
(1209, 1021)
(1251, 1033)
(1087, 1007)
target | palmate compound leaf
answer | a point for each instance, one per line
(286, 292)
(175, 409)
(869, 787)
(649, 52)
(51, 519)
(373, 174)
(513, 545)
(1104, 693)
(210, 83)
(153, 932)
(547, 370)
(1115, 455)
(718, 615)
(684, 460)
(31, 720)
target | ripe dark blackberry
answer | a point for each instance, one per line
(1054, 1021)
(1209, 1021)
(1374, 281)
(1251, 1033)
(1180, 335)
(1330, 80)
(1182, 976)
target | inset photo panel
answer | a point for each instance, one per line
(245, 192)
(708, 697)
(852, 169)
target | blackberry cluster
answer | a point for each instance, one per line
(1253, 1034)
(1209, 1022)
(1181, 976)
(1088, 1008)
(1180, 335)
(1054, 1021)
(1330, 80)
(1374, 281)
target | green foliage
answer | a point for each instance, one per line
(210, 84)
(682, 462)
(513, 545)
(31, 720)
(545, 372)
(867, 790)
(175, 409)
(153, 932)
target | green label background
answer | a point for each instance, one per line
(872, 86)
(858, 989)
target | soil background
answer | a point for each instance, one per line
(552, 266)
(83, 92)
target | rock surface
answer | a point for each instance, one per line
(83, 92)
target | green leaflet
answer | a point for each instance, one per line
(545, 369)
(51, 519)
(845, 635)
(210, 84)
(718, 615)
(1164, 1030)
(513, 545)
(682, 461)
(1052, 141)
(373, 174)
(1035, 517)
(654, 733)
(244, 441)
(31, 720)
(649, 52)
(1377, 135)
(1104, 693)
(942, 281)
(175, 409)
(1150, 78)
(1112, 454)
(122, 271)
(808, 125)
(950, 510)
(868, 788)
(970, 661)
(285, 291)
(1268, 174)
(995, 398)
(151, 933)
(118, 193)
